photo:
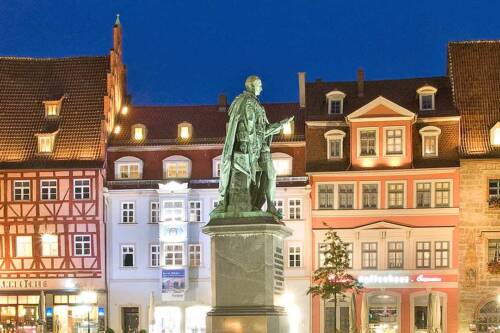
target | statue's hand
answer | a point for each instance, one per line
(287, 120)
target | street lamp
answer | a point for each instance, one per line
(88, 298)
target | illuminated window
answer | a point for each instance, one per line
(46, 143)
(194, 255)
(50, 246)
(370, 196)
(174, 254)
(184, 131)
(369, 255)
(424, 195)
(128, 167)
(194, 211)
(430, 136)
(423, 255)
(294, 209)
(396, 195)
(282, 164)
(82, 245)
(138, 132)
(442, 254)
(154, 212)
(81, 189)
(21, 190)
(442, 194)
(325, 196)
(279, 204)
(367, 142)
(334, 141)
(335, 101)
(426, 96)
(495, 135)
(128, 212)
(52, 108)
(173, 211)
(177, 167)
(394, 141)
(154, 255)
(395, 252)
(346, 196)
(294, 256)
(494, 189)
(128, 255)
(48, 189)
(24, 247)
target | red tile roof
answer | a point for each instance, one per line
(209, 124)
(474, 70)
(25, 83)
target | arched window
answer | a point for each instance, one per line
(335, 144)
(128, 167)
(430, 136)
(488, 316)
(138, 132)
(176, 167)
(283, 164)
(216, 165)
(335, 101)
(426, 97)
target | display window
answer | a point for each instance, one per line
(72, 316)
(419, 313)
(19, 313)
(384, 313)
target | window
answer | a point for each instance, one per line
(128, 171)
(82, 245)
(395, 194)
(495, 135)
(493, 250)
(294, 256)
(194, 211)
(430, 135)
(441, 254)
(423, 195)
(128, 253)
(423, 254)
(154, 255)
(442, 194)
(173, 211)
(394, 141)
(279, 204)
(24, 247)
(334, 141)
(128, 212)
(370, 196)
(282, 164)
(348, 249)
(174, 254)
(426, 97)
(154, 212)
(395, 252)
(216, 165)
(368, 143)
(494, 189)
(177, 167)
(46, 143)
(194, 255)
(184, 131)
(50, 246)
(369, 255)
(48, 190)
(138, 132)
(52, 108)
(22, 190)
(335, 102)
(294, 209)
(346, 196)
(325, 196)
(81, 189)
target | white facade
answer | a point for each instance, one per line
(132, 279)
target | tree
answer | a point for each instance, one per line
(331, 280)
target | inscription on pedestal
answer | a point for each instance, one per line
(279, 280)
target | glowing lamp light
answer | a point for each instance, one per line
(287, 129)
(496, 137)
(48, 238)
(88, 297)
(185, 132)
(117, 129)
(124, 110)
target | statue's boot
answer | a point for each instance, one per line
(272, 209)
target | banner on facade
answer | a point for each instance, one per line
(173, 231)
(173, 284)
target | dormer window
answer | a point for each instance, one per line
(176, 167)
(495, 135)
(282, 164)
(430, 136)
(52, 108)
(46, 143)
(335, 101)
(128, 167)
(426, 96)
(184, 131)
(138, 132)
(335, 144)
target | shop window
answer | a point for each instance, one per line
(154, 255)
(282, 164)
(383, 312)
(174, 254)
(346, 196)
(128, 255)
(50, 245)
(294, 256)
(196, 318)
(21, 190)
(369, 255)
(420, 305)
(48, 190)
(442, 194)
(128, 212)
(370, 196)
(394, 141)
(24, 246)
(396, 195)
(177, 167)
(441, 254)
(367, 143)
(194, 211)
(325, 196)
(423, 255)
(82, 245)
(154, 215)
(194, 255)
(81, 189)
(294, 209)
(423, 195)
(130, 317)
(173, 211)
(395, 255)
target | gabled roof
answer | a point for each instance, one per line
(25, 83)
(393, 110)
(474, 70)
(403, 92)
(209, 124)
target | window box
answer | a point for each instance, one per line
(494, 202)
(494, 267)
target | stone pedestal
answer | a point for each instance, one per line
(247, 274)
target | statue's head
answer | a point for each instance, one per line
(253, 84)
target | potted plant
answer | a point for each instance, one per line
(494, 202)
(494, 267)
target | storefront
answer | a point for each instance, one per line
(19, 313)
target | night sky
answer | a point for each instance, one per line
(187, 52)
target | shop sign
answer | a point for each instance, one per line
(23, 284)
(383, 279)
(422, 278)
(173, 231)
(173, 284)
(49, 319)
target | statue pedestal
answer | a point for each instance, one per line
(247, 274)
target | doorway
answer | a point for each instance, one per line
(130, 317)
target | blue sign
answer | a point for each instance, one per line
(173, 283)
(49, 312)
(101, 312)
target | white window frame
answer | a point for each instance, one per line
(354, 195)
(331, 136)
(46, 143)
(22, 243)
(318, 194)
(426, 91)
(280, 157)
(379, 190)
(47, 184)
(282, 206)
(300, 207)
(431, 263)
(142, 132)
(190, 252)
(154, 211)
(21, 185)
(122, 255)
(377, 255)
(403, 141)
(183, 259)
(358, 139)
(405, 194)
(216, 165)
(415, 204)
(83, 242)
(335, 95)
(495, 135)
(433, 192)
(128, 161)
(173, 210)
(154, 250)
(89, 186)
(430, 131)
(52, 106)
(127, 212)
(448, 250)
(180, 131)
(176, 159)
(198, 209)
(300, 254)
(50, 245)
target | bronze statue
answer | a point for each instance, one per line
(247, 176)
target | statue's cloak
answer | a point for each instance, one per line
(230, 162)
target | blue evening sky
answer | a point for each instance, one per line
(186, 52)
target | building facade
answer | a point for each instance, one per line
(382, 160)
(163, 170)
(475, 77)
(56, 114)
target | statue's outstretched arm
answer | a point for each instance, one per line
(275, 128)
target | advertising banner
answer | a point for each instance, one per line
(173, 284)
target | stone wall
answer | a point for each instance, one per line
(478, 223)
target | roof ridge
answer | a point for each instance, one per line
(475, 41)
(203, 105)
(51, 58)
(384, 80)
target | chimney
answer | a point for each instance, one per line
(302, 89)
(222, 102)
(361, 82)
